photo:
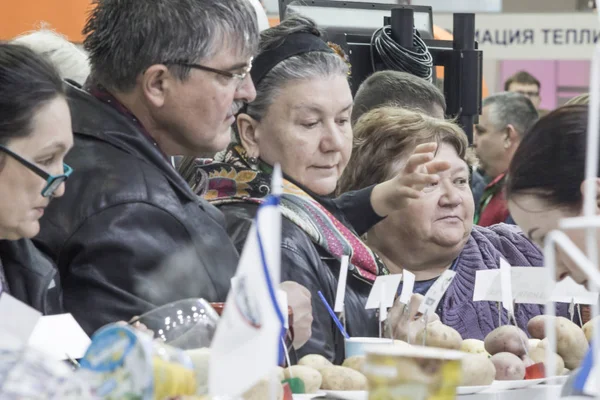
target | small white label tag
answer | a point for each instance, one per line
(436, 292)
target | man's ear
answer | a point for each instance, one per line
(249, 134)
(582, 189)
(155, 82)
(511, 136)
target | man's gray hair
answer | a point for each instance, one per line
(510, 108)
(398, 89)
(126, 37)
(316, 64)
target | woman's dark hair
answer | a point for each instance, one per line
(550, 161)
(27, 82)
(314, 64)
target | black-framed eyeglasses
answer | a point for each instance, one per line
(240, 77)
(53, 182)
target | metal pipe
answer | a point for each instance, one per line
(403, 22)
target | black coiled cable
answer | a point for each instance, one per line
(417, 62)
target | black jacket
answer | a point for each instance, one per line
(31, 276)
(304, 262)
(129, 234)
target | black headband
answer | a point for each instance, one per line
(294, 44)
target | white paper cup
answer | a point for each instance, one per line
(355, 346)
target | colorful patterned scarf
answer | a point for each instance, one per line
(231, 179)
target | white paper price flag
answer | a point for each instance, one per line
(530, 285)
(383, 293)
(408, 285)
(341, 287)
(506, 286)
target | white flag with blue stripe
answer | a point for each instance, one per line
(246, 347)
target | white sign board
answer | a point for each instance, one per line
(383, 291)
(60, 337)
(533, 36)
(530, 285)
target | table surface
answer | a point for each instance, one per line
(539, 392)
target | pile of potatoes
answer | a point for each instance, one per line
(588, 329)
(571, 342)
(507, 347)
(319, 373)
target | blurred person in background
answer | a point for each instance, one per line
(505, 119)
(70, 61)
(582, 99)
(398, 89)
(301, 120)
(35, 135)
(435, 231)
(404, 90)
(129, 234)
(526, 84)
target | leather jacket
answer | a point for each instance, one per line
(309, 265)
(31, 276)
(129, 234)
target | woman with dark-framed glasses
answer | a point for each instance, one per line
(35, 135)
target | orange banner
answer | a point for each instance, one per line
(65, 16)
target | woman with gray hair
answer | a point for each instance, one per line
(301, 120)
(70, 61)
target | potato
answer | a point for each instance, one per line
(262, 390)
(506, 338)
(538, 355)
(509, 367)
(311, 377)
(355, 362)
(440, 335)
(473, 346)
(401, 343)
(315, 361)
(342, 378)
(535, 326)
(533, 343)
(527, 361)
(477, 370)
(280, 373)
(588, 329)
(566, 371)
(571, 343)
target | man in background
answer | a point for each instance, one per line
(408, 91)
(526, 84)
(506, 117)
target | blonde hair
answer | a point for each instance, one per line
(582, 99)
(70, 61)
(386, 135)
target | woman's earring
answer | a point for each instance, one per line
(253, 161)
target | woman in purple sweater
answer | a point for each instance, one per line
(435, 232)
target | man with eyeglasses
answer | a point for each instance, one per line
(526, 84)
(168, 77)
